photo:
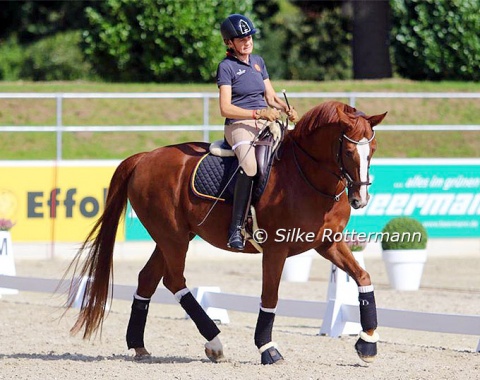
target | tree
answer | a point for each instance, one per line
(305, 40)
(437, 39)
(158, 40)
(31, 20)
(319, 46)
(39, 40)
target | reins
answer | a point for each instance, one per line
(336, 197)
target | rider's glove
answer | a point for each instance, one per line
(270, 114)
(293, 115)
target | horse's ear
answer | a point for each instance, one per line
(344, 119)
(376, 119)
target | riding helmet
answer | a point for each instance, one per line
(237, 26)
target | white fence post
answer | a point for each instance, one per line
(216, 314)
(342, 290)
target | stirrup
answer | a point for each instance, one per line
(236, 240)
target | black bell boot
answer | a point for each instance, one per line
(241, 200)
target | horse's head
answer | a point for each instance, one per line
(358, 145)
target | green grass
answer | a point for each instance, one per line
(118, 112)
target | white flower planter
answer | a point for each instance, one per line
(7, 263)
(297, 268)
(405, 267)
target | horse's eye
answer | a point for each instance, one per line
(349, 153)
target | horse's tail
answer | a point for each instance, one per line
(100, 242)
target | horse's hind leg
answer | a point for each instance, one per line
(174, 281)
(148, 280)
(341, 256)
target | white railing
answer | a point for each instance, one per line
(59, 128)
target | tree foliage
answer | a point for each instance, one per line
(304, 40)
(319, 46)
(57, 57)
(30, 21)
(179, 41)
(39, 40)
(12, 57)
(157, 40)
(437, 39)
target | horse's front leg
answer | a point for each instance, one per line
(272, 271)
(341, 256)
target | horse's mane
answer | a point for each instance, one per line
(323, 115)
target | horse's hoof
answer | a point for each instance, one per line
(214, 350)
(215, 356)
(366, 347)
(272, 356)
(142, 355)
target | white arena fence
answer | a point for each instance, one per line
(206, 127)
(334, 313)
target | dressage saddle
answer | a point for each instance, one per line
(214, 176)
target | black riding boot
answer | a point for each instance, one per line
(241, 199)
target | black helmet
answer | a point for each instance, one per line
(235, 26)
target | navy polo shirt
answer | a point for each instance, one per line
(246, 80)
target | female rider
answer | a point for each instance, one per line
(245, 96)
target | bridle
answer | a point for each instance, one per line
(343, 177)
(350, 181)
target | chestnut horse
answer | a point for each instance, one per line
(323, 170)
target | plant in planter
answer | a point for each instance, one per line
(355, 242)
(404, 233)
(404, 242)
(6, 224)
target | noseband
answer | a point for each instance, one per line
(344, 177)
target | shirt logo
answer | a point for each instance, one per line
(257, 67)
(240, 72)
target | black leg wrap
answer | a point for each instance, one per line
(368, 311)
(271, 356)
(204, 323)
(263, 330)
(136, 324)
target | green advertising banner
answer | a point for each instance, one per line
(443, 194)
(134, 230)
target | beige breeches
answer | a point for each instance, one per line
(244, 132)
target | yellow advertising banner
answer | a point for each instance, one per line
(54, 202)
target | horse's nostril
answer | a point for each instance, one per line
(355, 203)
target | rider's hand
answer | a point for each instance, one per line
(270, 114)
(293, 115)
